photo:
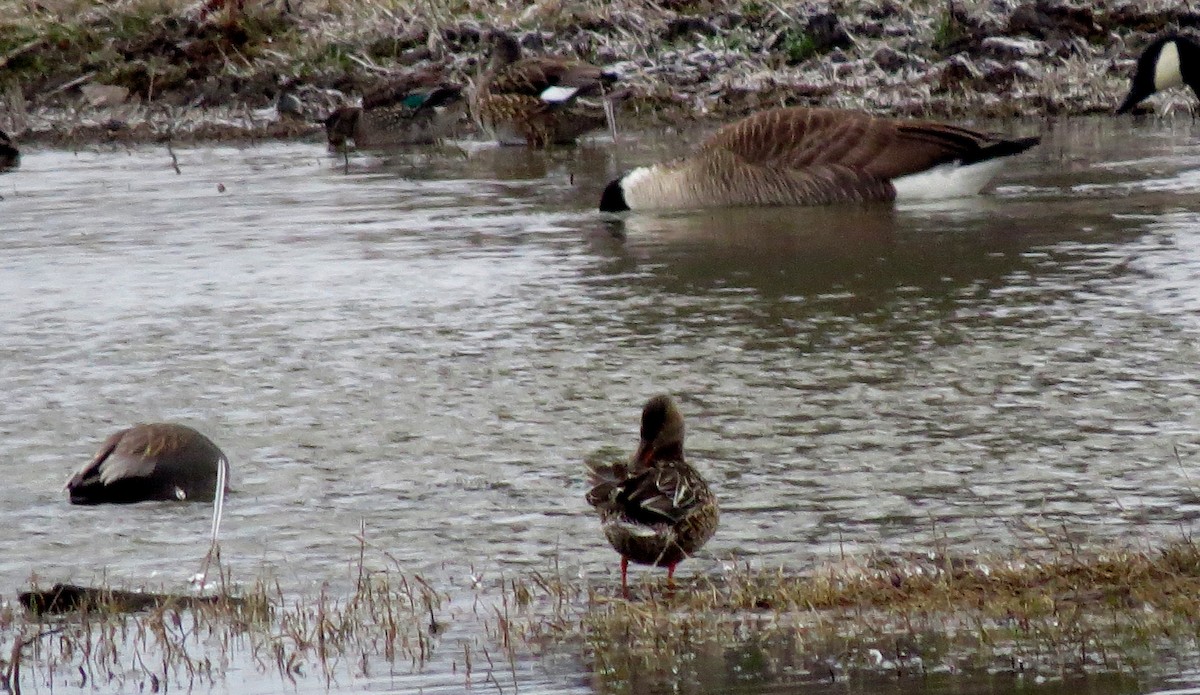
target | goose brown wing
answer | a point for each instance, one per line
(798, 138)
(817, 183)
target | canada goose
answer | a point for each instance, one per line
(158, 461)
(655, 510)
(422, 116)
(1169, 61)
(539, 101)
(807, 156)
(10, 156)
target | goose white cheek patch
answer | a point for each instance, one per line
(1166, 68)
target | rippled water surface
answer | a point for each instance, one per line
(431, 343)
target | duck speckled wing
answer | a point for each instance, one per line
(539, 101)
(656, 510)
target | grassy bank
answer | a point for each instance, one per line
(135, 70)
(1132, 613)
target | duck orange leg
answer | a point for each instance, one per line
(671, 577)
(624, 577)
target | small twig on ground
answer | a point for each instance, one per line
(86, 77)
(19, 50)
(174, 159)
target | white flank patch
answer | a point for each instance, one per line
(1166, 68)
(947, 181)
(557, 95)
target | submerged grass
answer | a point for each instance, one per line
(1052, 614)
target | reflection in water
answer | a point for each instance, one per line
(786, 664)
(431, 343)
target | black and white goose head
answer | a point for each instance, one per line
(1170, 61)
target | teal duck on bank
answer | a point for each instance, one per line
(811, 156)
(655, 510)
(157, 461)
(10, 156)
(1169, 61)
(539, 101)
(421, 116)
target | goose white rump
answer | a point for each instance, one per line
(947, 181)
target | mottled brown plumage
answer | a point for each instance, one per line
(157, 461)
(539, 101)
(657, 510)
(415, 114)
(805, 156)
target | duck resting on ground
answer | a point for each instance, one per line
(157, 461)
(815, 156)
(540, 101)
(420, 115)
(655, 510)
(1169, 61)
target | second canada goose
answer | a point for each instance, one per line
(1169, 61)
(418, 117)
(10, 156)
(157, 461)
(539, 101)
(810, 156)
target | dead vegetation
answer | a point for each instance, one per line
(1067, 612)
(136, 70)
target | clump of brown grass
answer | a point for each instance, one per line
(1050, 613)
(1067, 611)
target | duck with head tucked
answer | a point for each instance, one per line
(657, 509)
(420, 110)
(156, 461)
(1169, 61)
(539, 101)
(814, 156)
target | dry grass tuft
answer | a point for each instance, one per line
(1051, 613)
(713, 60)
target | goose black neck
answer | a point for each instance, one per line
(613, 198)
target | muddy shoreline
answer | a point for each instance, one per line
(75, 73)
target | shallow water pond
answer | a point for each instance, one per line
(428, 344)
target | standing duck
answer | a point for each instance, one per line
(810, 156)
(1171, 60)
(539, 101)
(10, 156)
(158, 461)
(655, 510)
(419, 116)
